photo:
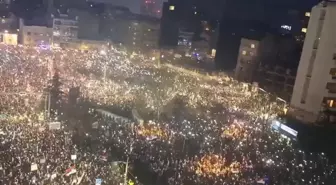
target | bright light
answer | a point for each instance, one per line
(171, 8)
(6, 31)
(244, 52)
(213, 52)
(307, 14)
(195, 13)
(304, 30)
(252, 46)
(102, 52)
(286, 27)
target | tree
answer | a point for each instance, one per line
(55, 95)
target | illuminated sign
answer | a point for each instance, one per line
(286, 27)
(278, 126)
(289, 130)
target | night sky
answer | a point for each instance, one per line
(211, 9)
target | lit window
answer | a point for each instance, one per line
(3, 21)
(304, 30)
(331, 103)
(195, 13)
(244, 52)
(213, 52)
(171, 8)
(307, 14)
(252, 46)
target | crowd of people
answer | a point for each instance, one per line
(200, 129)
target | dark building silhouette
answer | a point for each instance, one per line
(241, 19)
(230, 37)
(252, 19)
(169, 27)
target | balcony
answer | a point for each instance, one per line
(322, 14)
(316, 44)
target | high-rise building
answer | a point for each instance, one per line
(148, 7)
(247, 59)
(65, 29)
(315, 85)
(169, 27)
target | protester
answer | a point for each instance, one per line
(199, 129)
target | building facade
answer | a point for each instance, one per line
(315, 85)
(248, 59)
(169, 27)
(87, 23)
(65, 29)
(36, 35)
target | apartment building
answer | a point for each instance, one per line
(315, 85)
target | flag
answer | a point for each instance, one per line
(261, 181)
(70, 171)
(151, 138)
(234, 171)
(103, 158)
(130, 182)
(95, 125)
(53, 176)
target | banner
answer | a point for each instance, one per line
(55, 125)
(95, 125)
(33, 167)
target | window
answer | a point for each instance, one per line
(307, 14)
(252, 46)
(304, 30)
(331, 87)
(329, 102)
(28, 33)
(333, 73)
(244, 52)
(171, 8)
(334, 56)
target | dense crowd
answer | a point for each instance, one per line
(199, 129)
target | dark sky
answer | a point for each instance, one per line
(212, 9)
(27, 8)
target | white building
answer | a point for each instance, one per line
(65, 29)
(36, 35)
(247, 61)
(315, 84)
